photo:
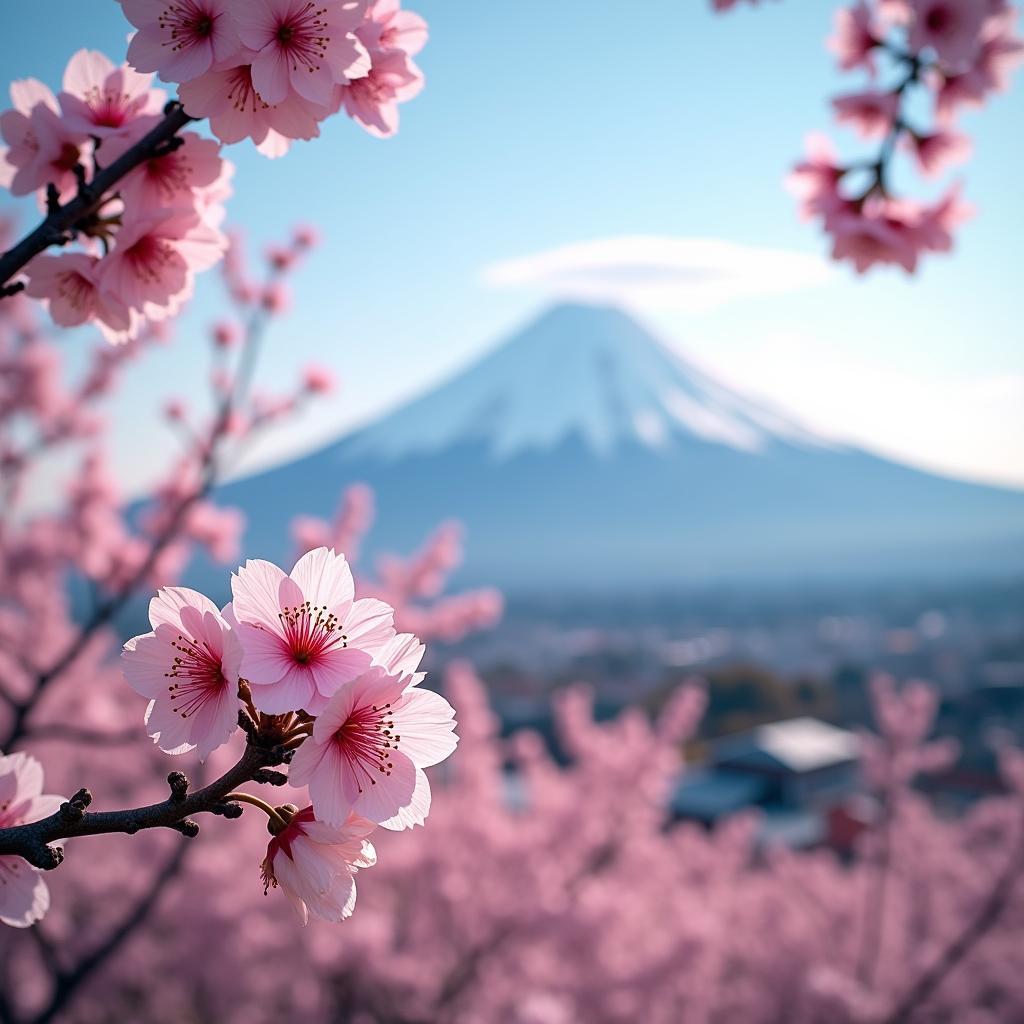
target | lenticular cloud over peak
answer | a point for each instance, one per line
(692, 274)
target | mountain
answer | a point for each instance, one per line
(584, 454)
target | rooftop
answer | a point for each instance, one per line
(797, 745)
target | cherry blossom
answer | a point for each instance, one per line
(304, 635)
(155, 258)
(237, 111)
(315, 864)
(180, 39)
(1001, 52)
(950, 28)
(188, 668)
(391, 36)
(855, 37)
(872, 113)
(24, 895)
(938, 150)
(815, 181)
(69, 287)
(369, 747)
(881, 232)
(179, 178)
(115, 104)
(301, 47)
(41, 147)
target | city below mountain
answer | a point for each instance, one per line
(582, 454)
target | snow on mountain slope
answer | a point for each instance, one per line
(583, 453)
(577, 370)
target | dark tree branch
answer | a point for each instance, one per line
(61, 220)
(32, 841)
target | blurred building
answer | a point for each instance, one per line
(797, 772)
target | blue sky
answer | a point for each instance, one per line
(549, 124)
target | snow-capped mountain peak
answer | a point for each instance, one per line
(588, 371)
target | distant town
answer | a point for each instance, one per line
(787, 676)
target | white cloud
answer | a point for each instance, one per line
(690, 274)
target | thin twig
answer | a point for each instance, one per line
(209, 469)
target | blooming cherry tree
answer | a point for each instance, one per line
(117, 174)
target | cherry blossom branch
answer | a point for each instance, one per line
(61, 221)
(67, 981)
(209, 470)
(987, 917)
(262, 753)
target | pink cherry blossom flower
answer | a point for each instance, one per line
(390, 36)
(872, 112)
(936, 223)
(24, 895)
(317, 380)
(855, 38)
(275, 298)
(401, 656)
(304, 635)
(225, 335)
(881, 232)
(68, 285)
(180, 39)
(174, 179)
(373, 100)
(368, 750)
(41, 147)
(315, 864)
(115, 104)
(1000, 54)
(397, 29)
(155, 256)
(951, 28)
(937, 150)
(815, 181)
(188, 668)
(302, 47)
(237, 111)
(305, 237)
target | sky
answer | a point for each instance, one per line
(567, 148)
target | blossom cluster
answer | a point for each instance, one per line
(140, 250)
(510, 906)
(944, 56)
(273, 70)
(268, 70)
(412, 586)
(300, 646)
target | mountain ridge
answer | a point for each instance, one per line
(583, 453)
(627, 386)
